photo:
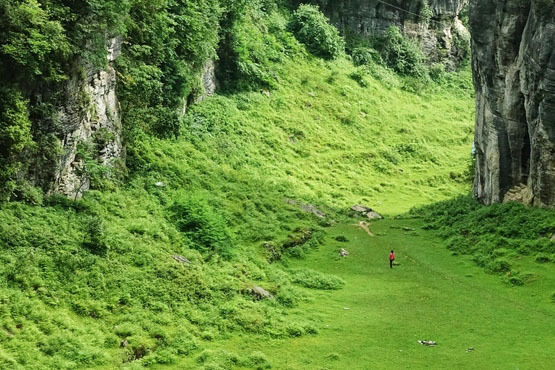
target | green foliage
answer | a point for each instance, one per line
(312, 28)
(238, 155)
(15, 139)
(402, 54)
(360, 77)
(95, 236)
(165, 48)
(34, 44)
(489, 233)
(205, 229)
(425, 12)
(365, 56)
(252, 48)
(317, 280)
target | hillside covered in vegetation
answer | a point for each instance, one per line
(216, 222)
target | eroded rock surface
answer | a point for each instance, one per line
(89, 116)
(513, 44)
(440, 32)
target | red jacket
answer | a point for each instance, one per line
(391, 256)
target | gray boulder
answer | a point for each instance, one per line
(366, 212)
(260, 293)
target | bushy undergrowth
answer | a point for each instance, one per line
(312, 28)
(317, 280)
(495, 234)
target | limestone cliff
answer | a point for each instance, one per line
(513, 43)
(89, 113)
(433, 23)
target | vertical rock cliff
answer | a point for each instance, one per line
(513, 44)
(89, 118)
(435, 24)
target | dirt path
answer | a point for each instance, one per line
(365, 226)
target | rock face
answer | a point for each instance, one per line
(434, 23)
(513, 43)
(90, 116)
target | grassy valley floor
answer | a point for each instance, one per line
(375, 321)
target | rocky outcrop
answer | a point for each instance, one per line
(89, 118)
(513, 43)
(434, 23)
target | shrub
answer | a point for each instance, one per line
(317, 280)
(365, 56)
(312, 28)
(402, 54)
(359, 76)
(15, 137)
(437, 72)
(542, 258)
(95, 237)
(205, 229)
(499, 265)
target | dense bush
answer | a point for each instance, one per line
(312, 28)
(15, 137)
(95, 236)
(317, 280)
(365, 56)
(402, 54)
(203, 227)
(253, 44)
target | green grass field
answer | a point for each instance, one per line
(375, 321)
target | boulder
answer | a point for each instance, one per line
(260, 293)
(366, 212)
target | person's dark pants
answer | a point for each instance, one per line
(390, 264)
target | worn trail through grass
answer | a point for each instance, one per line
(375, 321)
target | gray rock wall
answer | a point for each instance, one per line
(368, 18)
(513, 44)
(91, 107)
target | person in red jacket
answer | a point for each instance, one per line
(391, 259)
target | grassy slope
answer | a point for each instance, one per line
(319, 137)
(376, 320)
(325, 138)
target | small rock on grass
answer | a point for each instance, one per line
(343, 252)
(429, 343)
(260, 293)
(366, 211)
(181, 259)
